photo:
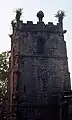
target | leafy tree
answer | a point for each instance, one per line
(4, 66)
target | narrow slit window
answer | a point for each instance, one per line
(40, 46)
(24, 89)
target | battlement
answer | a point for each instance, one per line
(40, 26)
(29, 22)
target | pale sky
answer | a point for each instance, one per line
(30, 8)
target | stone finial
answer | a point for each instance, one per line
(40, 16)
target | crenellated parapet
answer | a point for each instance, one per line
(40, 26)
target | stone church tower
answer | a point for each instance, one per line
(39, 63)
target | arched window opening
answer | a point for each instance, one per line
(40, 46)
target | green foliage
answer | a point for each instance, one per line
(60, 15)
(18, 14)
(17, 17)
(4, 66)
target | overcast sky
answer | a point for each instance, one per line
(30, 8)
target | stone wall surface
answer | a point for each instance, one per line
(40, 74)
(43, 73)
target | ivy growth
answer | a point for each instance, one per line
(18, 14)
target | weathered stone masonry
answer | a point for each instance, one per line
(39, 65)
